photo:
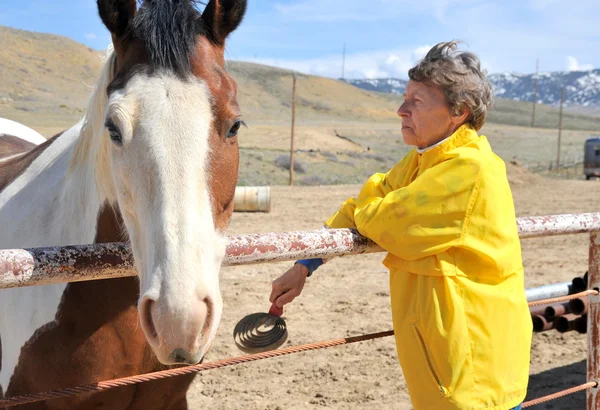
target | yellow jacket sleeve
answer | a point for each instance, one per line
(423, 218)
(375, 187)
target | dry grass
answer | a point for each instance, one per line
(46, 79)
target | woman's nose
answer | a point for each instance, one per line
(402, 111)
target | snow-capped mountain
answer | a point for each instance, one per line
(582, 88)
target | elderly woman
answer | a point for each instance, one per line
(445, 215)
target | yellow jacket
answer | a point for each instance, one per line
(461, 320)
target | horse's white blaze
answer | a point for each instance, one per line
(19, 130)
(161, 175)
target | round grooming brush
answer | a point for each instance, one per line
(261, 332)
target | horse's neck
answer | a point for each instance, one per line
(51, 203)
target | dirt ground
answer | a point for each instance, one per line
(350, 296)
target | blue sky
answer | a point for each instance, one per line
(383, 38)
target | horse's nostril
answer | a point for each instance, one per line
(179, 332)
(146, 318)
(209, 315)
(181, 356)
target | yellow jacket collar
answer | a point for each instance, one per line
(424, 150)
(464, 135)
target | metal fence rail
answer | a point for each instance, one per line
(29, 267)
(40, 266)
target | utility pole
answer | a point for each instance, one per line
(293, 127)
(535, 85)
(560, 117)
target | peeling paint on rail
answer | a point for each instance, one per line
(30, 267)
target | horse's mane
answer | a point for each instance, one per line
(93, 139)
(168, 29)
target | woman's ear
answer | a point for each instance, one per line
(461, 115)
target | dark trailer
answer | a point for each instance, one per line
(591, 159)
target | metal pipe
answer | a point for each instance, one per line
(537, 310)
(41, 266)
(565, 224)
(581, 324)
(548, 291)
(565, 323)
(19, 267)
(559, 309)
(540, 324)
(579, 306)
(579, 284)
(287, 246)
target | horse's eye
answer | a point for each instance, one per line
(234, 129)
(113, 132)
(115, 135)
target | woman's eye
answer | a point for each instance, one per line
(234, 129)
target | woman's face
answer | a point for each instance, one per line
(426, 116)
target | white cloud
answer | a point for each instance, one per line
(421, 52)
(508, 36)
(573, 65)
(375, 64)
(90, 36)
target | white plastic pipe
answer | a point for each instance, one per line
(252, 199)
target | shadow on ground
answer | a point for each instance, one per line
(555, 380)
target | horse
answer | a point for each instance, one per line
(16, 139)
(153, 162)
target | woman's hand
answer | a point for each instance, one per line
(289, 285)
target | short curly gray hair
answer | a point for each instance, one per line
(460, 76)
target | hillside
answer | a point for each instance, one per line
(46, 81)
(343, 133)
(265, 93)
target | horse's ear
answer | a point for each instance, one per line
(116, 15)
(221, 17)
